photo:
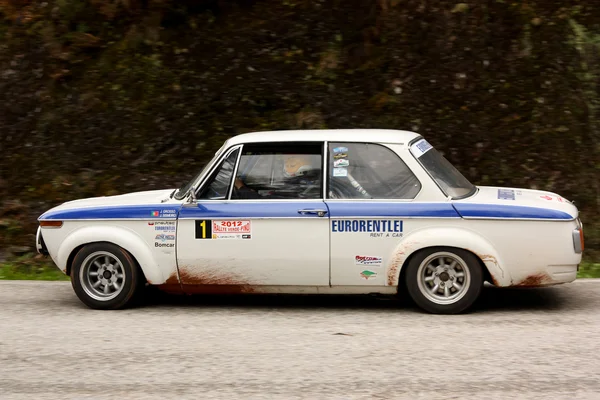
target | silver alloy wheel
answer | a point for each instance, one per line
(102, 276)
(443, 278)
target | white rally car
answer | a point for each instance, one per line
(317, 211)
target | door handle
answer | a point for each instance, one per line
(320, 213)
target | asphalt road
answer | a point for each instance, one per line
(518, 343)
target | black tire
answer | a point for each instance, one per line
(120, 263)
(421, 280)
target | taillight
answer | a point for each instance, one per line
(51, 224)
(581, 238)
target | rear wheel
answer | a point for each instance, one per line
(444, 280)
(105, 276)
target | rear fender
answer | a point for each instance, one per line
(451, 237)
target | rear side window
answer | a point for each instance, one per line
(368, 171)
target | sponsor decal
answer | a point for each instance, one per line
(230, 236)
(164, 213)
(368, 274)
(367, 260)
(506, 194)
(163, 226)
(374, 227)
(228, 229)
(340, 172)
(341, 163)
(156, 244)
(340, 155)
(340, 150)
(163, 237)
(557, 198)
(420, 148)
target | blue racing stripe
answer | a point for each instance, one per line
(400, 209)
(474, 210)
(251, 209)
(115, 212)
(266, 209)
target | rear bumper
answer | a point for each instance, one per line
(552, 275)
(563, 273)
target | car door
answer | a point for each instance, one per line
(369, 196)
(267, 227)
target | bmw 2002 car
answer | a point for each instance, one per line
(322, 212)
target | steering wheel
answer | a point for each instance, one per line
(311, 191)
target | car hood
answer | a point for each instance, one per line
(146, 198)
(500, 202)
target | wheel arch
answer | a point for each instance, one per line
(458, 238)
(126, 239)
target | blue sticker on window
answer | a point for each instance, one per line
(340, 149)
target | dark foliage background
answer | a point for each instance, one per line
(102, 97)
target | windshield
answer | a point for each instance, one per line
(182, 191)
(448, 178)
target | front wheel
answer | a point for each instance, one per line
(444, 280)
(105, 276)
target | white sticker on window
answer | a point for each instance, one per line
(341, 163)
(420, 148)
(340, 172)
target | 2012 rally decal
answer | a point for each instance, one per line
(227, 229)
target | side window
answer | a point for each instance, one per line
(368, 171)
(217, 186)
(279, 171)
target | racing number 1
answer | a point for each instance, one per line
(204, 229)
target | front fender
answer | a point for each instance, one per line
(120, 236)
(453, 237)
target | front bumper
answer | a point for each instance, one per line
(578, 241)
(39, 242)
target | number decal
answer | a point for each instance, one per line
(211, 229)
(204, 229)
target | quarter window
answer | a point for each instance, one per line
(218, 185)
(368, 171)
(279, 171)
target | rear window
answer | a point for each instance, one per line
(447, 177)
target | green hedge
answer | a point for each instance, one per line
(107, 96)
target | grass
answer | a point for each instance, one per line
(589, 270)
(31, 267)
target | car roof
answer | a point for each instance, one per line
(332, 135)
